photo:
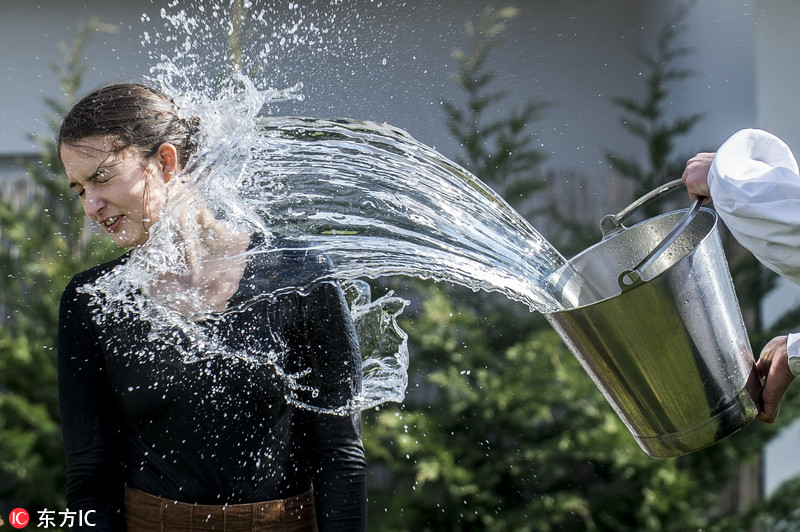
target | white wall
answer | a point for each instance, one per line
(577, 54)
(29, 36)
(778, 69)
(720, 36)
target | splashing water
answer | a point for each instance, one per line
(366, 197)
(379, 203)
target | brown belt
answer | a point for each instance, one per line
(146, 513)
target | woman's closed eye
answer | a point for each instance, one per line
(77, 189)
(100, 177)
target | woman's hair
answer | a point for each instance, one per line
(131, 115)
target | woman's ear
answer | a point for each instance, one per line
(167, 156)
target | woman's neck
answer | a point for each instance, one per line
(214, 262)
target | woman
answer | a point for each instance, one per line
(155, 443)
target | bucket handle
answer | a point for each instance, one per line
(612, 223)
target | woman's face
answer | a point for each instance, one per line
(123, 192)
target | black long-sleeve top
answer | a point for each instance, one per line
(219, 430)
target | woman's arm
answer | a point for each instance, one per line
(89, 421)
(338, 463)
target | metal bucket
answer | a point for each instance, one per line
(652, 315)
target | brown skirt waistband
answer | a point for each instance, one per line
(145, 513)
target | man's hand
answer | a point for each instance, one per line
(773, 368)
(696, 176)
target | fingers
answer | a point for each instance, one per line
(755, 389)
(695, 176)
(770, 398)
(773, 367)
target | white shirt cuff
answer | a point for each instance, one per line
(793, 350)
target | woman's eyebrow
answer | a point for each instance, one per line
(100, 169)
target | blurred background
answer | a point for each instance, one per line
(570, 109)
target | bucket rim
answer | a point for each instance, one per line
(678, 212)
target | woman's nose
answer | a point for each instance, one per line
(92, 204)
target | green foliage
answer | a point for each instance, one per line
(481, 455)
(45, 240)
(646, 117)
(517, 437)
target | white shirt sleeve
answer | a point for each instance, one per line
(755, 187)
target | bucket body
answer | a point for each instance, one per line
(671, 352)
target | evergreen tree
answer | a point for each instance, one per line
(45, 240)
(501, 152)
(646, 117)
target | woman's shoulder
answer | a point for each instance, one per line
(287, 262)
(90, 275)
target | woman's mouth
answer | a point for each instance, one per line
(111, 224)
